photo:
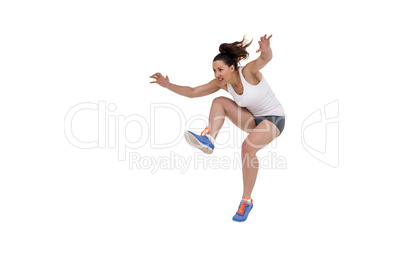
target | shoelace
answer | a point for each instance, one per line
(242, 207)
(205, 131)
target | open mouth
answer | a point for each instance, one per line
(220, 79)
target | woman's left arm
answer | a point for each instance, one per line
(265, 56)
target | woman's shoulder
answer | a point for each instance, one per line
(249, 76)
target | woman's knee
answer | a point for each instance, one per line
(248, 148)
(220, 100)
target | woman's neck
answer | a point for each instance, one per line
(236, 81)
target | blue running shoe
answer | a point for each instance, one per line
(243, 211)
(202, 142)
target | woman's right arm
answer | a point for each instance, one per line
(190, 92)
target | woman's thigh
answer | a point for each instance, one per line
(239, 116)
(261, 136)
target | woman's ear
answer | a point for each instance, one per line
(232, 68)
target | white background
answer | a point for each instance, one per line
(62, 206)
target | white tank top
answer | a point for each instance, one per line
(258, 99)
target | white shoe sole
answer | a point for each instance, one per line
(195, 143)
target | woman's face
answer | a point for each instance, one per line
(223, 73)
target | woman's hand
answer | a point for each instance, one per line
(160, 80)
(264, 43)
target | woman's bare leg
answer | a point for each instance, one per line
(223, 107)
(259, 137)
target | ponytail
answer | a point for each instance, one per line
(233, 53)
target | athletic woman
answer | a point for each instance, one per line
(254, 109)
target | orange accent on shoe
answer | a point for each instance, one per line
(206, 131)
(242, 207)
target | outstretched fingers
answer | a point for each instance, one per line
(160, 79)
(264, 42)
(155, 76)
(265, 37)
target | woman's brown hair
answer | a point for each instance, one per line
(233, 53)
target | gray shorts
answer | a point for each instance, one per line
(278, 121)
